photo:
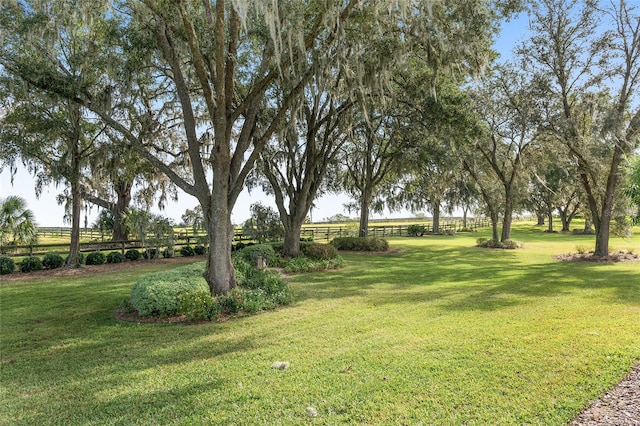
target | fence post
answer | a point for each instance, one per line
(122, 247)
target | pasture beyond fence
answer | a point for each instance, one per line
(184, 237)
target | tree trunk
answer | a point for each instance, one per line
(364, 214)
(587, 226)
(550, 218)
(73, 260)
(541, 218)
(120, 230)
(507, 220)
(464, 217)
(436, 217)
(292, 233)
(494, 226)
(220, 273)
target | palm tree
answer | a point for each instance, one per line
(17, 223)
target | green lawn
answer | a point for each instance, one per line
(439, 333)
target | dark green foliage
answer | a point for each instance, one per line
(416, 230)
(7, 265)
(198, 305)
(96, 258)
(167, 253)
(187, 251)
(52, 261)
(508, 244)
(360, 244)
(115, 257)
(317, 251)
(200, 249)
(132, 254)
(251, 253)
(150, 253)
(161, 293)
(30, 264)
(264, 224)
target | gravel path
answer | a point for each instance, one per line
(618, 407)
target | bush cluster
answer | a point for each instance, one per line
(490, 243)
(96, 258)
(30, 264)
(360, 244)
(416, 230)
(52, 261)
(7, 265)
(302, 264)
(151, 253)
(317, 251)
(200, 249)
(115, 257)
(162, 293)
(250, 253)
(132, 254)
(187, 251)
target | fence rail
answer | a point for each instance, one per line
(183, 238)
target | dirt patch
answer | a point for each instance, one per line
(620, 256)
(107, 268)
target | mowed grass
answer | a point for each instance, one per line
(438, 333)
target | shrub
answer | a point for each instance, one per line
(162, 293)
(115, 257)
(187, 251)
(96, 258)
(7, 265)
(449, 232)
(31, 263)
(416, 230)
(198, 305)
(150, 253)
(132, 254)
(360, 244)
(52, 261)
(167, 253)
(302, 264)
(251, 253)
(510, 244)
(231, 303)
(507, 244)
(200, 249)
(317, 251)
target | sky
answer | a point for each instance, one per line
(48, 213)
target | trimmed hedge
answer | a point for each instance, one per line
(250, 253)
(7, 265)
(317, 251)
(162, 293)
(360, 244)
(115, 257)
(187, 251)
(30, 264)
(96, 258)
(52, 261)
(132, 254)
(200, 249)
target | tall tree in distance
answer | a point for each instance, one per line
(591, 94)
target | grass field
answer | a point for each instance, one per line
(437, 333)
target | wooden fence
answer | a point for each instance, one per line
(184, 238)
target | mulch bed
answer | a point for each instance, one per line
(620, 256)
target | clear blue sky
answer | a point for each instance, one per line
(49, 213)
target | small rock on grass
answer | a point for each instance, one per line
(312, 412)
(280, 365)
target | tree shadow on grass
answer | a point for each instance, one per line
(466, 279)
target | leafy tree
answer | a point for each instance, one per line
(589, 81)
(194, 218)
(632, 190)
(264, 224)
(17, 223)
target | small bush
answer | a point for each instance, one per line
(317, 251)
(162, 293)
(52, 261)
(416, 230)
(167, 253)
(115, 257)
(251, 253)
(360, 244)
(507, 244)
(510, 244)
(150, 253)
(96, 258)
(30, 264)
(132, 254)
(198, 305)
(449, 232)
(187, 251)
(7, 265)
(582, 249)
(200, 249)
